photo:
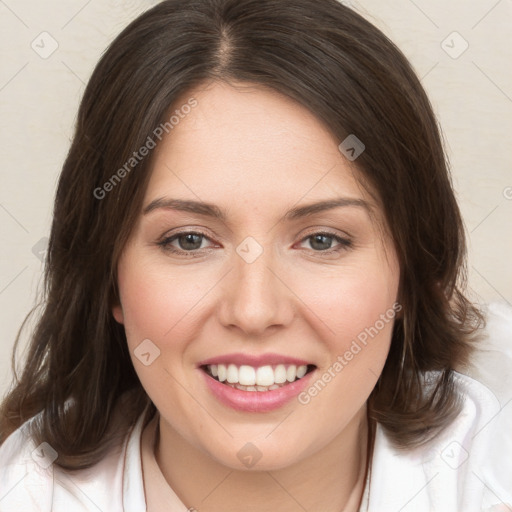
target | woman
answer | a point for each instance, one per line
(254, 282)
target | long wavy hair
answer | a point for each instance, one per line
(353, 78)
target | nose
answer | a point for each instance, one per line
(256, 296)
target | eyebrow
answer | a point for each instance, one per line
(212, 210)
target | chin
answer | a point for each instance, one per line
(259, 454)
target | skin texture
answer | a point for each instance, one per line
(256, 154)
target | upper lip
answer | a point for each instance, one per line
(255, 361)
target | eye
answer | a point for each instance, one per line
(190, 243)
(187, 241)
(322, 242)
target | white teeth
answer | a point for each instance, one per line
(262, 378)
(244, 388)
(301, 371)
(265, 376)
(280, 374)
(291, 373)
(232, 374)
(221, 372)
(246, 375)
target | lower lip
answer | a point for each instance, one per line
(256, 401)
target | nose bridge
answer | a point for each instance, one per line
(255, 297)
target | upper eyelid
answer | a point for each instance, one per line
(317, 231)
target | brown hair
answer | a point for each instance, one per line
(344, 70)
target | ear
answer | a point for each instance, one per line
(117, 312)
(115, 305)
(398, 307)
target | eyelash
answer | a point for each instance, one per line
(344, 243)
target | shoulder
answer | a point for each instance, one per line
(475, 451)
(468, 465)
(491, 363)
(26, 472)
(470, 462)
(487, 386)
(30, 481)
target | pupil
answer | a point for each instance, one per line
(189, 238)
(318, 238)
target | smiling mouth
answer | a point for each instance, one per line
(262, 378)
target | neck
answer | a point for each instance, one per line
(332, 479)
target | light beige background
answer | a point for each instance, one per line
(471, 93)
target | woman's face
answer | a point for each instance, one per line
(262, 294)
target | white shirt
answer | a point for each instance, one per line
(467, 468)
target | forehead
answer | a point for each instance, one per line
(248, 141)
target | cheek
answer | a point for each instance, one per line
(351, 301)
(157, 304)
(355, 311)
(364, 327)
(360, 314)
